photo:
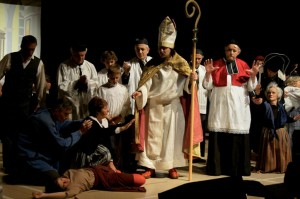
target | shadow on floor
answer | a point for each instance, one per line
(223, 188)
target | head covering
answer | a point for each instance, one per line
(277, 62)
(231, 41)
(274, 64)
(167, 33)
(260, 58)
(141, 41)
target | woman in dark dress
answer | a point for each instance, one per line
(95, 148)
(275, 148)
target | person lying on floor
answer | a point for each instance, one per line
(75, 181)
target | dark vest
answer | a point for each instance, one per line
(17, 89)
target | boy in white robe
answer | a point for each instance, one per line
(118, 100)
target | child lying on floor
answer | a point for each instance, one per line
(75, 181)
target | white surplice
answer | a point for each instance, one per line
(67, 75)
(229, 109)
(117, 98)
(135, 75)
(202, 92)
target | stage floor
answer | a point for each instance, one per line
(154, 186)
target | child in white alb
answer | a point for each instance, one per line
(292, 106)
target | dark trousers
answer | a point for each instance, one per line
(13, 122)
(202, 144)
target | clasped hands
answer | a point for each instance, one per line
(81, 84)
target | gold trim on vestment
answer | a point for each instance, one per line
(178, 63)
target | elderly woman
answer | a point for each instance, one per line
(275, 147)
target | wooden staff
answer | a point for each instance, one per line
(195, 6)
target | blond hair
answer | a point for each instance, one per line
(291, 81)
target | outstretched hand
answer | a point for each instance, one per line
(126, 126)
(209, 67)
(255, 68)
(136, 94)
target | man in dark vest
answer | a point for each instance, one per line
(19, 72)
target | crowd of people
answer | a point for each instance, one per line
(105, 124)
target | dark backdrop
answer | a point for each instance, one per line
(262, 27)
